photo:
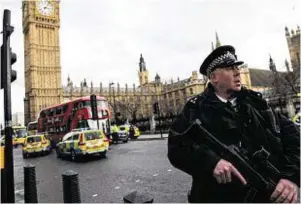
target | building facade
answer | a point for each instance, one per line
(137, 100)
(42, 68)
(18, 119)
(293, 43)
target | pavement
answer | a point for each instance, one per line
(143, 137)
(133, 166)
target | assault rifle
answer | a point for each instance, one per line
(235, 156)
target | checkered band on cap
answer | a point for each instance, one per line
(221, 59)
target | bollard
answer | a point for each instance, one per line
(71, 187)
(30, 186)
(137, 197)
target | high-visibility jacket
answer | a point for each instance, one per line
(114, 129)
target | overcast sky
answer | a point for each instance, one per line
(101, 40)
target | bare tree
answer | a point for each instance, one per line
(132, 107)
(285, 83)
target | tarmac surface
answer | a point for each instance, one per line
(140, 165)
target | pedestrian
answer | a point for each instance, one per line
(236, 116)
(131, 131)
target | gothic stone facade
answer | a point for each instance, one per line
(138, 101)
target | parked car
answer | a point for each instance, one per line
(123, 134)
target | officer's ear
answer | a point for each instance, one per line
(213, 77)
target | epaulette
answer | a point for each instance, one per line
(255, 93)
(193, 102)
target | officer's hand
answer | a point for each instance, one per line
(285, 192)
(224, 169)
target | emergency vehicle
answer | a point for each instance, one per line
(83, 142)
(126, 128)
(19, 132)
(36, 144)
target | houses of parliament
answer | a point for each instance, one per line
(44, 88)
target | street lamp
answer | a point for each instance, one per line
(114, 107)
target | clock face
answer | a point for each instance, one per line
(45, 7)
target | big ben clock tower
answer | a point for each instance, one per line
(42, 68)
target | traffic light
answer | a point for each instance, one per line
(8, 58)
(156, 108)
(94, 107)
(13, 59)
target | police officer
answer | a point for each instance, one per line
(114, 132)
(236, 116)
(132, 131)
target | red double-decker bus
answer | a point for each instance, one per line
(60, 119)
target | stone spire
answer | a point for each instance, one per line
(287, 33)
(118, 87)
(85, 83)
(68, 79)
(287, 65)
(142, 65)
(157, 78)
(100, 88)
(217, 43)
(272, 65)
(91, 88)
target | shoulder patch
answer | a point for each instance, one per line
(193, 99)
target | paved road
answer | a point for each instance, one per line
(137, 165)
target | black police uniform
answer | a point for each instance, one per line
(250, 125)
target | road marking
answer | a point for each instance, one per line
(155, 175)
(94, 195)
(137, 181)
(117, 187)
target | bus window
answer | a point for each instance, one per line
(42, 114)
(58, 110)
(65, 108)
(99, 104)
(32, 128)
(82, 124)
(75, 106)
(51, 113)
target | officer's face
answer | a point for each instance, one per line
(227, 79)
